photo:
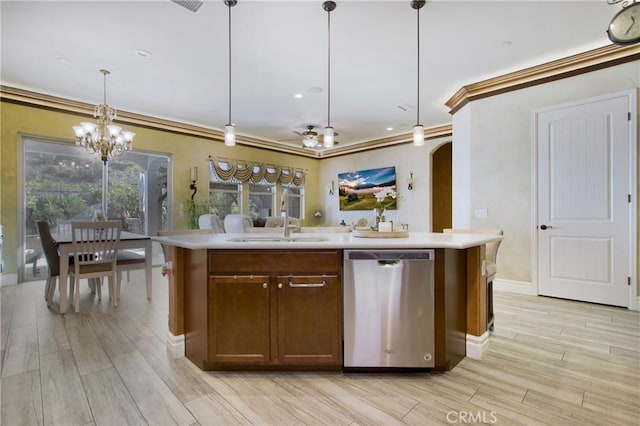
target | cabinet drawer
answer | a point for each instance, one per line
(274, 261)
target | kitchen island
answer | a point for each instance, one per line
(235, 300)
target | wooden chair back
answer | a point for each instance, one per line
(95, 244)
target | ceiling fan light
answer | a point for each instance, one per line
(328, 139)
(310, 142)
(230, 135)
(418, 135)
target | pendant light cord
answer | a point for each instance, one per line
(418, 91)
(329, 69)
(229, 6)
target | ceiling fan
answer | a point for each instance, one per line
(311, 138)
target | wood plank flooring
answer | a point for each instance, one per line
(550, 362)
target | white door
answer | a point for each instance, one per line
(584, 224)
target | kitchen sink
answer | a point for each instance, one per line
(277, 239)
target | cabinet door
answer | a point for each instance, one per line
(309, 320)
(239, 320)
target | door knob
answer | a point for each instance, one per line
(543, 227)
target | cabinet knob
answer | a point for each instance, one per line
(265, 285)
(279, 285)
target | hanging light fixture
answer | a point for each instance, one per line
(328, 139)
(229, 128)
(104, 138)
(418, 129)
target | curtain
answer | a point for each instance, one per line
(228, 170)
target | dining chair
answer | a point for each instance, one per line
(129, 260)
(53, 259)
(95, 251)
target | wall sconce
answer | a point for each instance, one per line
(332, 189)
(194, 178)
(410, 181)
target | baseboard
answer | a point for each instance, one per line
(512, 286)
(175, 345)
(8, 279)
(477, 346)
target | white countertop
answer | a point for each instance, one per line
(340, 240)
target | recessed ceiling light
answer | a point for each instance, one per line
(143, 53)
(298, 96)
(314, 89)
(507, 43)
(389, 129)
(62, 60)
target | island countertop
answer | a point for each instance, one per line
(337, 240)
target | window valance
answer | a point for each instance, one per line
(230, 170)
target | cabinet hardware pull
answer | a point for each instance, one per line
(322, 284)
(279, 285)
(265, 285)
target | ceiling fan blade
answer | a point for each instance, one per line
(192, 5)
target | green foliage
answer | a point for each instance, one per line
(195, 209)
(365, 201)
(64, 187)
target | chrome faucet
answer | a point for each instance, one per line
(284, 211)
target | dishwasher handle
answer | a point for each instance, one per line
(391, 255)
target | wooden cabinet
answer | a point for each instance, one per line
(268, 309)
(239, 327)
(309, 319)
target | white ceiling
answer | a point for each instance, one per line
(279, 49)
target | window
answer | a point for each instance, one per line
(225, 198)
(63, 182)
(296, 202)
(261, 199)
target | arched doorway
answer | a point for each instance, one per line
(441, 191)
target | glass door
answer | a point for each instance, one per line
(63, 182)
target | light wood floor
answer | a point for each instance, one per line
(550, 362)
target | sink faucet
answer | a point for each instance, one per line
(284, 211)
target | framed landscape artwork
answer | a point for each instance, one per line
(356, 189)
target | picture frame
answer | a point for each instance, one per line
(356, 190)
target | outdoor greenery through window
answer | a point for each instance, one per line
(261, 199)
(63, 182)
(225, 198)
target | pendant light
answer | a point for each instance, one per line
(418, 129)
(328, 139)
(229, 128)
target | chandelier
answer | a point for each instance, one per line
(103, 138)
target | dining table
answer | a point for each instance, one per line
(128, 241)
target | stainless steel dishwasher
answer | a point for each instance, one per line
(389, 309)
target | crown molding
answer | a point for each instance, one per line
(54, 103)
(444, 130)
(592, 60)
(581, 63)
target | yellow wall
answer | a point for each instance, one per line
(185, 151)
